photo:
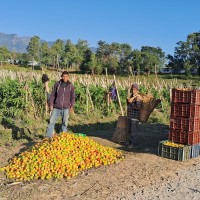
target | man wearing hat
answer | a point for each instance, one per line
(133, 112)
(61, 102)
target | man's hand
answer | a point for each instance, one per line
(71, 110)
(51, 108)
(130, 100)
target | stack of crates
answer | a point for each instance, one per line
(184, 124)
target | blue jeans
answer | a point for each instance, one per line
(54, 117)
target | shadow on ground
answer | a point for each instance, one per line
(149, 135)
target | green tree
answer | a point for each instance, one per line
(4, 54)
(156, 58)
(33, 49)
(113, 64)
(86, 58)
(71, 56)
(82, 46)
(103, 53)
(56, 52)
(134, 60)
(114, 52)
(92, 64)
(149, 61)
(45, 53)
(187, 54)
(194, 53)
(24, 59)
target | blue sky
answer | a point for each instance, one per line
(137, 22)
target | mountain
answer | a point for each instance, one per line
(93, 49)
(14, 42)
(18, 44)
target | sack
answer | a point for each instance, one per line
(149, 103)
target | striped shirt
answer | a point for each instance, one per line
(133, 108)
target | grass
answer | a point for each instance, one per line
(16, 68)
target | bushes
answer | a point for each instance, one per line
(25, 99)
(12, 99)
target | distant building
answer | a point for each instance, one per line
(33, 63)
(166, 70)
(194, 71)
(181, 71)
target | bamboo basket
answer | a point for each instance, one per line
(121, 133)
(149, 103)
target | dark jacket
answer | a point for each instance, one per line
(62, 95)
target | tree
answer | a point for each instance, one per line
(124, 50)
(103, 53)
(186, 54)
(57, 51)
(82, 46)
(4, 54)
(91, 64)
(114, 52)
(156, 56)
(134, 60)
(46, 58)
(148, 62)
(194, 54)
(24, 59)
(113, 64)
(71, 55)
(33, 48)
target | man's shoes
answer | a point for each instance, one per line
(130, 146)
(127, 143)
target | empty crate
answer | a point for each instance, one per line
(187, 124)
(185, 110)
(184, 137)
(186, 96)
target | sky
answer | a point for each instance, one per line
(157, 23)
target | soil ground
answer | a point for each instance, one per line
(141, 175)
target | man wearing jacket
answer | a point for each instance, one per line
(61, 102)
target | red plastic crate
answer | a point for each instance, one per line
(186, 96)
(185, 110)
(184, 137)
(187, 124)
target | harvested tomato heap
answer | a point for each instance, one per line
(64, 155)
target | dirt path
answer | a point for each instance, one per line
(142, 175)
(185, 185)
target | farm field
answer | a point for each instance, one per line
(135, 177)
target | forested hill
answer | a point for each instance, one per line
(15, 43)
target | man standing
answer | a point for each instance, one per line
(133, 112)
(61, 102)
